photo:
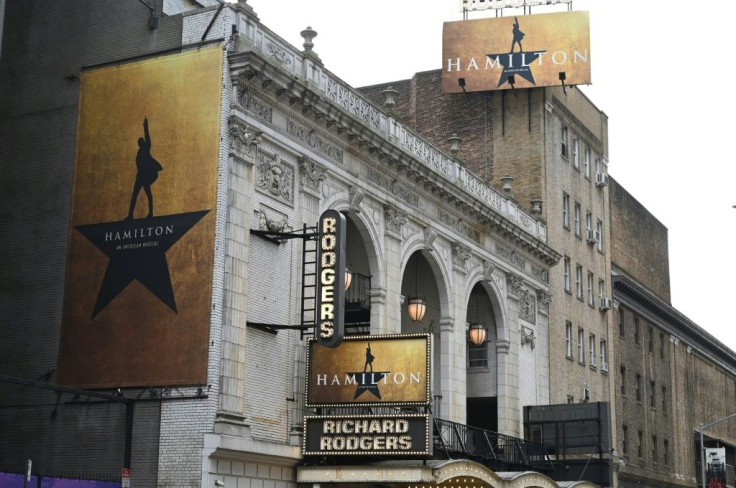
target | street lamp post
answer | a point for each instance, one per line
(702, 449)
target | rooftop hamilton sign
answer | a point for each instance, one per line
(516, 52)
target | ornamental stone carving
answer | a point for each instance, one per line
(393, 186)
(356, 198)
(460, 254)
(273, 224)
(255, 106)
(513, 285)
(528, 306)
(459, 226)
(488, 268)
(243, 139)
(429, 237)
(395, 220)
(312, 139)
(527, 337)
(278, 53)
(511, 256)
(313, 174)
(544, 299)
(541, 274)
(274, 177)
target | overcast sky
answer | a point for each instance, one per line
(660, 73)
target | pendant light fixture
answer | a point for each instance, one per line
(416, 306)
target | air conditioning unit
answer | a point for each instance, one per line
(594, 236)
(586, 394)
(601, 179)
(604, 366)
(606, 304)
(593, 362)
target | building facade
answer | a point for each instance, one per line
(292, 141)
(672, 376)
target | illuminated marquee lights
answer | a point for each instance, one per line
(331, 279)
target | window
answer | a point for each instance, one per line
(650, 333)
(588, 221)
(579, 281)
(478, 355)
(568, 340)
(623, 380)
(636, 330)
(591, 350)
(604, 364)
(666, 451)
(637, 385)
(567, 274)
(578, 223)
(591, 296)
(661, 345)
(654, 448)
(575, 155)
(599, 228)
(664, 399)
(602, 291)
(581, 347)
(597, 165)
(586, 162)
(652, 395)
(563, 145)
(566, 210)
(625, 440)
(570, 399)
(641, 443)
(621, 324)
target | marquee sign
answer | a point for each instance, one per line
(525, 51)
(331, 279)
(372, 435)
(370, 370)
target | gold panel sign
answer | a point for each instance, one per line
(369, 370)
(141, 243)
(516, 52)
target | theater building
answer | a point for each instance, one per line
(189, 154)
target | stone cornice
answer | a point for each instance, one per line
(399, 149)
(669, 319)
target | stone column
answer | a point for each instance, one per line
(394, 220)
(507, 350)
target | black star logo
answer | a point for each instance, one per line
(516, 64)
(368, 382)
(137, 251)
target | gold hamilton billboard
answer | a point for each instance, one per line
(141, 240)
(516, 52)
(369, 370)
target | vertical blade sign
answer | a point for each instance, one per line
(331, 279)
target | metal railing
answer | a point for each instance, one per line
(453, 439)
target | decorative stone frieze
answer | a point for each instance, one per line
(312, 173)
(541, 274)
(458, 225)
(254, 105)
(312, 139)
(274, 177)
(511, 256)
(397, 189)
(395, 220)
(278, 53)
